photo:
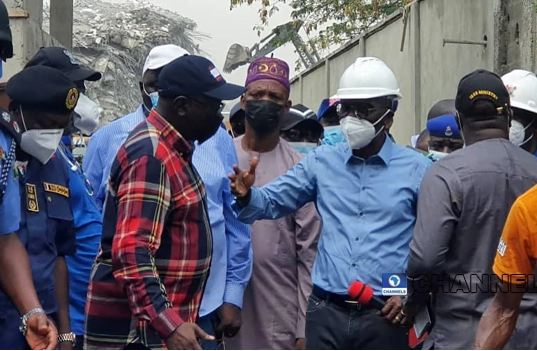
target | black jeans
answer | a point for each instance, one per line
(331, 327)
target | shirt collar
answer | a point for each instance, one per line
(170, 134)
(384, 154)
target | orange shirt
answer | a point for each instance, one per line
(517, 249)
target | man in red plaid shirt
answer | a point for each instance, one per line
(148, 279)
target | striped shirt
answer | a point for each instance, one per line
(156, 245)
(102, 149)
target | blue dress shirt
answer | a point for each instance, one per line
(88, 225)
(368, 208)
(102, 150)
(231, 265)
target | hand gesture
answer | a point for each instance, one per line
(41, 334)
(186, 337)
(242, 181)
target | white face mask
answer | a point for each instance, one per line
(437, 155)
(517, 132)
(87, 115)
(40, 143)
(360, 132)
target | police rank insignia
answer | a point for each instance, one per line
(31, 198)
(72, 98)
(6, 117)
(448, 131)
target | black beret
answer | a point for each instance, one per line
(42, 88)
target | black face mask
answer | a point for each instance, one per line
(263, 116)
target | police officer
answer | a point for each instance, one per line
(87, 216)
(444, 136)
(15, 274)
(42, 102)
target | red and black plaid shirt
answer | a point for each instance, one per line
(156, 245)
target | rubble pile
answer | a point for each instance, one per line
(115, 38)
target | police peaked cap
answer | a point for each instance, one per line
(43, 89)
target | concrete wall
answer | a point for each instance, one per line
(427, 69)
(25, 18)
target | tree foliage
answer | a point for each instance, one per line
(328, 22)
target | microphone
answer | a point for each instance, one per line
(364, 294)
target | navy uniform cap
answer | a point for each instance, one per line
(42, 88)
(444, 126)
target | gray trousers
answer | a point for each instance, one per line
(332, 327)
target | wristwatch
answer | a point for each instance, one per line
(23, 326)
(67, 337)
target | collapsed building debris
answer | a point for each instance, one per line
(115, 38)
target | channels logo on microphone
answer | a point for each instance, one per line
(394, 284)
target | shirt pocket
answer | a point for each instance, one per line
(60, 223)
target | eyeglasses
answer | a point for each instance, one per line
(363, 111)
(295, 135)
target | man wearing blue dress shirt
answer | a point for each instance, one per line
(366, 192)
(231, 266)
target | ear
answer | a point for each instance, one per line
(180, 105)
(243, 102)
(388, 121)
(288, 106)
(458, 120)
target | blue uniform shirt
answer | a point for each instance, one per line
(10, 215)
(88, 226)
(368, 208)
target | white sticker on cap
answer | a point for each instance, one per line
(216, 73)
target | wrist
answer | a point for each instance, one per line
(243, 201)
(23, 327)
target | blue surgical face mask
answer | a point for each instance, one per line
(333, 135)
(153, 96)
(154, 99)
(303, 147)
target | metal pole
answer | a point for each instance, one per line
(467, 42)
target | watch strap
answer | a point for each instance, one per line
(67, 337)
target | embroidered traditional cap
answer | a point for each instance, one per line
(269, 68)
(444, 126)
(42, 88)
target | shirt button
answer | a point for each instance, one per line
(357, 239)
(363, 188)
(361, 214)
(354, 264)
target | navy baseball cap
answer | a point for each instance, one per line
(42, 88)
(195, 75)
(481, 85)
(63, 60)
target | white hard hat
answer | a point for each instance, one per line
(522, 87)
(368, 78)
